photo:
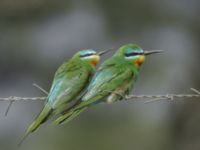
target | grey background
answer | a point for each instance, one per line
(36, 36)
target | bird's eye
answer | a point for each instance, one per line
(133, 54)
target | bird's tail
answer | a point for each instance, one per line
(68, 116)
(41, 118)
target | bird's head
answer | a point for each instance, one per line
(134, 54)
(90, 56)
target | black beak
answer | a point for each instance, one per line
(104, 52)
(152, 52)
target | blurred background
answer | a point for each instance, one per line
(36, 36)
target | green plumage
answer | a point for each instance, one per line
(113, 80)
(69, 83)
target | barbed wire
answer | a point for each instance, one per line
(170, 97)
(153, 98)
(128, 97)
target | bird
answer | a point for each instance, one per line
(69, 82)
(113, 80)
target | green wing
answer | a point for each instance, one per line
(107, 80)
(69, 81)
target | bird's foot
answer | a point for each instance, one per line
(122, 97)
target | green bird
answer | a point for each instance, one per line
(69, 82)
(113, 80)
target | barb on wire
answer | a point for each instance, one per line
(8, 108)
(18, 98)
(153, 98)
(171, 97)
(40, 88)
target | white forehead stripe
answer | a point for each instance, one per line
(86, 53)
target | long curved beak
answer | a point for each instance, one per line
(104, 52)
(153, 52)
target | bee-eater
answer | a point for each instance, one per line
(113, 80)
(70, 80)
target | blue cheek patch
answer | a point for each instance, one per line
(131, 50)
(132, 57)
(133, 53)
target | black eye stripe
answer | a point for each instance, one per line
(87, 55)
(133, 54)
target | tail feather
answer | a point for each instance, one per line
(42, 117)
(68, 116)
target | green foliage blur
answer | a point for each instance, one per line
(36, 36)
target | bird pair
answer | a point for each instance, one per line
(77, 86)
